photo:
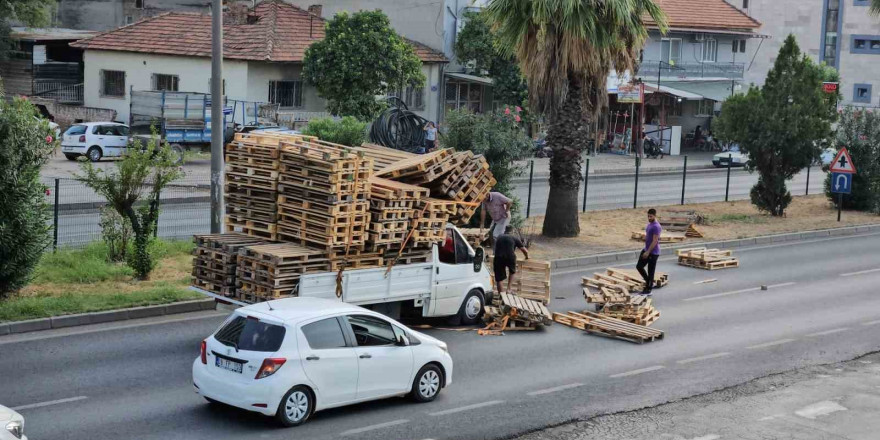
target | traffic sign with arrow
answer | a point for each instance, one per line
(841, 183)
(843, 163)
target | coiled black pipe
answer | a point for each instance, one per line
(399, 128)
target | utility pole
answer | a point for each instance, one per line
(217, 126)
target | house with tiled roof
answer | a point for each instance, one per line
(263, 50)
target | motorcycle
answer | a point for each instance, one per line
(652, 150)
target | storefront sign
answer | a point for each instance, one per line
(631, 93)
(830, 87)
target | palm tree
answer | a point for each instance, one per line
(566, 49)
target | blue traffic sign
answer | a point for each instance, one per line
(841, 183)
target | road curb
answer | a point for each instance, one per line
(63, 321)
(631, 255)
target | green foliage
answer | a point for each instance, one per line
(116, 233)
(34, 13)
(80, 266)
(360, 57)
(781, 126)
(348, 131)
(141, 170)
(859, 131)
(496, 136)
(875, 7)
(25, 146)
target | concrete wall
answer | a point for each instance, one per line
(67, 115)
(99, 15)
(691, 51)
(260, 74)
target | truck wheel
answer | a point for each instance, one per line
(94, 154)
(471, 308)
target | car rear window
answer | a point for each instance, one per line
(251, 334)
(76, 129)
(324, 334)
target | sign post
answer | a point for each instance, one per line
(842, 171)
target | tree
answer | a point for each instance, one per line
(476, 44)
(566, 49)
(859, 131)
(141, 169)
(875, 7)
(361, 57)
(25, 145)
(30, 12)
(348, 131)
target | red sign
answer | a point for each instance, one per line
(830, 87)
(843, 163)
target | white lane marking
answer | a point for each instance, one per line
(50, 403)
(639, 371)
(828, 332)
(710, 280)
(466, 408)
(773, 286)
(703, 358)
(771, 344)
(28, 337)
(708, 437)
(555, 389)
(871, 322)
(861, 272)
(734, 292)
(817, 409)
(376, 426)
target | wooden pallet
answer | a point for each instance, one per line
(664, 238)
(474, 236)
(261, 215)
(415, 165)
(710, 265)
(305, 236)
(383, 157)
(266, 184)
(392, 190)
(279, 254)
(435, 208)
(319, 195)
(525, 309)
(237, 201)
(532, 280)
(610, 327)
(247, 192)
(388, 226)
(709, 259)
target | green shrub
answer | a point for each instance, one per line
(116, 233)
(347, 131)
(859, 131)
(25, 145)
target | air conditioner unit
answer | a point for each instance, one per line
(699, 37)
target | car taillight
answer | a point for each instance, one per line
(269, 367)
(204, 354)
(82, 138)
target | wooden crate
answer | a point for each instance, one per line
(607, 326)
(215, 260)
(273, 270)
(532, 280)
(709, 259)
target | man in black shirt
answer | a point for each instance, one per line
(505, 258)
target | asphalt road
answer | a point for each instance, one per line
(821, 306)
(181, 219)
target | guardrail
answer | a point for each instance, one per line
(62, 92)
(692, 70)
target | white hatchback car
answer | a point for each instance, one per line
(12, 423)
(95, 140)
(291, 357)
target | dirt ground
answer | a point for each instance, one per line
(606, 231)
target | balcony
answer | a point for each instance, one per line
(63, 93)
(682, 70)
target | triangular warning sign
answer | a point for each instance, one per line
(843, 163)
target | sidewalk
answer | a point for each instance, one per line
(606, 163)
(839, 401)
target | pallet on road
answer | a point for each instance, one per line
(708, 259)
(607, 326)
(664, 238)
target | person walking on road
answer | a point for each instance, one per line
(505, 258)
(498, 206)
(651, 252)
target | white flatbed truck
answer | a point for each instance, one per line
(454, 283)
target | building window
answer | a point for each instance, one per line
(113, 83)
(670, 50)
(831, 27)
(704, 107)
(861, 2)
(862, 93)
(865, 44)
(745, 4)
(165, 82)
(739, 46)
(286, 93)
(710, 50)
(139, 4)
(129, 19)
(464, 96)
(413, 97)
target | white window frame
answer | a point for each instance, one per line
(175, 82)
(712, 45)
(667, 57)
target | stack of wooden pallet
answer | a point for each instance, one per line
(512, 312)
(383, 157)
(324, 192)
(469, 182)
(532, 280)
(709, 259)
(422, 168)
(611, 293)
(474, 236)
(215, 260)
(682, 222)
(608, 326)
(252, 163)
(392, 206)
(272, 271)
(430, 218)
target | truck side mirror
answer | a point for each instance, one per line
(479, 255)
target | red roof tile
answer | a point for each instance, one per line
(281, 34)
(704, 14)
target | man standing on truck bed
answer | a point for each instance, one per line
(651, 253)
(505, 258)
(498, 206)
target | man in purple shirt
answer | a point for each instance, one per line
(651, 252)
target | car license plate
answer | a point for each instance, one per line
(226, 364)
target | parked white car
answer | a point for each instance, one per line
(95, 140)
(291, 357)
(733, 158)
(12, 423)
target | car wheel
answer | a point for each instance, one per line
(70, 156)
(427, 384)
(471, 308)
(94, 154)
(296, 406)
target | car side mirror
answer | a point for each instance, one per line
(479, 255)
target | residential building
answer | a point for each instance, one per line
(101, 15)
(263, 52)
(840, 33)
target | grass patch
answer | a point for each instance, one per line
(82, 280)
(740, 218)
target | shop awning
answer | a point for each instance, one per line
(664, 88)
(470, 78)
(714, 90)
